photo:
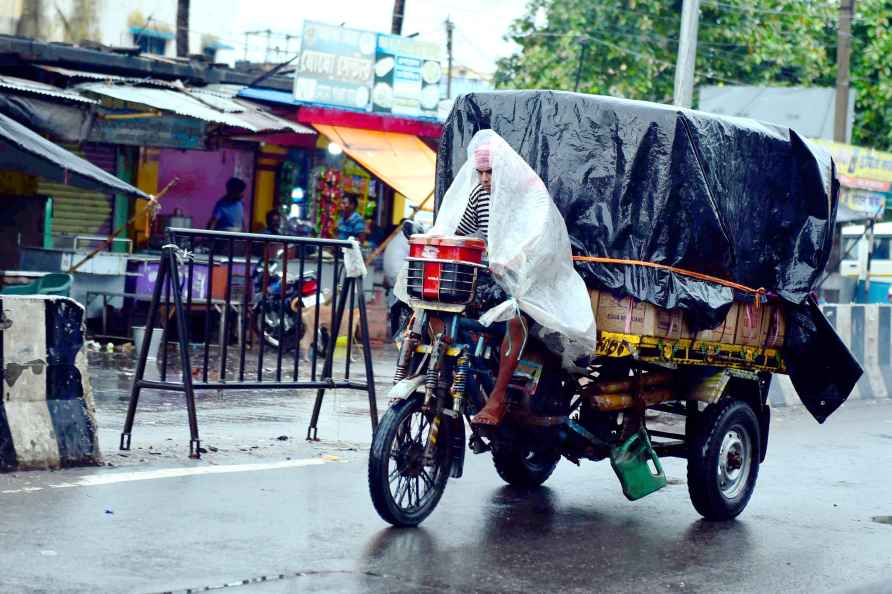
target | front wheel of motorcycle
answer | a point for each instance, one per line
(404, 489)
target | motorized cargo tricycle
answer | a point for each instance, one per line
(448, 363)
(700, 240)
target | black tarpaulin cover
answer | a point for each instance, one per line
(734, 198)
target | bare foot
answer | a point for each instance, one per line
(491, 414)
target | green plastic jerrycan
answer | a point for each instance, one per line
(630, 462)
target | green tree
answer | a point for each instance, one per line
(871, 72)
(629, 49)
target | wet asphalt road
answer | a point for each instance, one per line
(815, 524)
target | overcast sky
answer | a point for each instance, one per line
(477, 41)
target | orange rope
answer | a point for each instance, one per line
(682, 271)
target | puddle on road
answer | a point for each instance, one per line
(882, 520)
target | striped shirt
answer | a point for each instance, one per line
(475, 220)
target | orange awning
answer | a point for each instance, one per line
(401, 161)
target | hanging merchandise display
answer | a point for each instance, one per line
(358, 182)
(329, 185)
(330, 194)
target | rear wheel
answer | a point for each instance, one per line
(723, 459)
(524, 468)
(404, 489)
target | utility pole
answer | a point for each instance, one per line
(687, 54)
(450, 26)
(182, 28)
(843, 54)
(579, 66)
(396, 24)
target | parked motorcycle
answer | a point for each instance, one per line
(448, 363)
(275, 319)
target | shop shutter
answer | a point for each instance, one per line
(77, 211)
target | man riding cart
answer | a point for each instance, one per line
(628, 256)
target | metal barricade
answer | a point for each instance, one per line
(254, 272)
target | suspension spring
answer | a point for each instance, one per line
(433, 369)
(460, 381)
(407, 349)
(430, 378)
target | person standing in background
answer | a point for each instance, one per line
(273, 223)
(351, 224)
(229, 212)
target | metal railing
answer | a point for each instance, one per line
(268, 289)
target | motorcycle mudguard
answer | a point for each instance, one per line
(405, 388)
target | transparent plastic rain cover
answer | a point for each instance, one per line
(527, 247)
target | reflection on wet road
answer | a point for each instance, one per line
(266, 521)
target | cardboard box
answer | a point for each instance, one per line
(629, 316)
(764, 326)
(752, 327)
(624, 315)
(745, 324)
(725, 332)
(775, 326)
(670, 323)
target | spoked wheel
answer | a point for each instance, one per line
(404, 489)
(525, 468)
(723, 459)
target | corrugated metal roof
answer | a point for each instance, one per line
(79, 73)
(267, 122)
(165, 100)
(261, 119)
(32, 86)
(203, 106)
(85, 74)
(217, 101)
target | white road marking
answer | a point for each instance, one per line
(110, 478)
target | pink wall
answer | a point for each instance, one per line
(203, 176)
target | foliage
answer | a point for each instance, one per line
(627, 48)
(871, 73)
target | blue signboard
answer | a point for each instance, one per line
(336, 66)
(407, 76)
